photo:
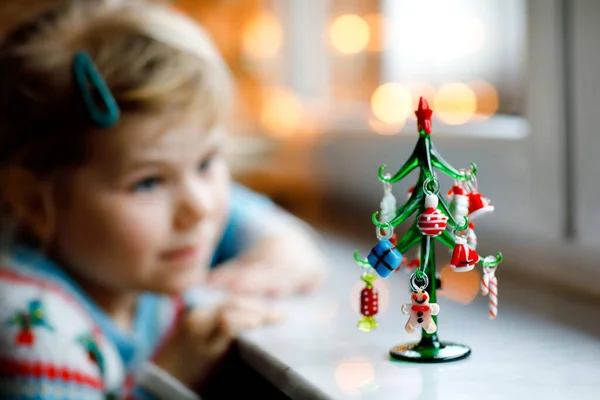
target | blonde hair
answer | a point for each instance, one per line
(152, 58)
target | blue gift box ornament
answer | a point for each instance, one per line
(384, 258)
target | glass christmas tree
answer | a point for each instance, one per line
(435, 220)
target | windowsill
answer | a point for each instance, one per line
(352, 120)
(507, 127)
(527, 352)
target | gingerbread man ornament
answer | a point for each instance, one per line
(421, 312)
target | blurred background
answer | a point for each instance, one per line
(327, 90)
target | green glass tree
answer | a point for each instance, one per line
(425, 157)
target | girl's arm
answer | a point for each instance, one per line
(266, 250)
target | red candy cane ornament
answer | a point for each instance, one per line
(489, 287)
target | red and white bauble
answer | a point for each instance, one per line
(432, 221)
(464, 257)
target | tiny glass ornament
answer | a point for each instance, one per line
(384, 258)
(456, 189)
(489, 285)
(420, 310)
(423, 114)
(459, 206)
(479, 205)
(464, 257)
(369, 303)
(432, 222)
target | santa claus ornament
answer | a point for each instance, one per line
(464, 257)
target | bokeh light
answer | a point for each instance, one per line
(455, 103)
(462, 288)
(392, 103)
(487, 99)
(349, 34)
(354, 374)
(281, 112)
(262, 36)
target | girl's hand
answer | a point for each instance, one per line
(204, 335)
(276, 266)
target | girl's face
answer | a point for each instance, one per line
(147, 210)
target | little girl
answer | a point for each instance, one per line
(116, 202)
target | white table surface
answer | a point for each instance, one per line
(543, 345)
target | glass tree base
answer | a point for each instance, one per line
(428, 352)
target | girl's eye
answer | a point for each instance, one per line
(147, 184)
(205, 165)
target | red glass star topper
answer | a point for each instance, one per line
(424, 116)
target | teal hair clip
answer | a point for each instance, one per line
(87, 77)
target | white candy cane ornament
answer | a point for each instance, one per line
(489, 287)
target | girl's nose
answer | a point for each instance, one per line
(195, 203)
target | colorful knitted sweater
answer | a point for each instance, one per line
(56, 343)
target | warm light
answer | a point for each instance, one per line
(262, 36)
(462, 288)
(377, 24)
(487, 99)
(355, 375)
(349, 34)
(455, 103)
(384, 296)
(391, 103)
(281, 112)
